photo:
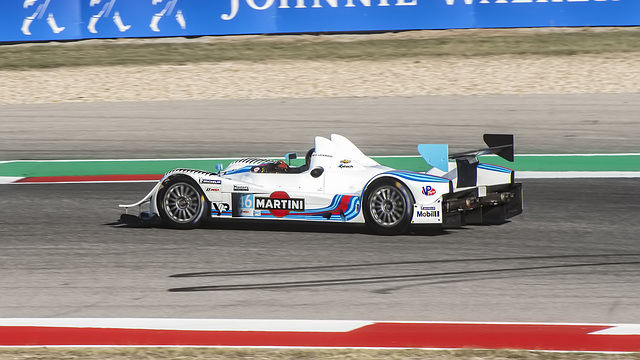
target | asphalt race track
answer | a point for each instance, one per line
(582, 123)
(573, 256)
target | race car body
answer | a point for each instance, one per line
(338, 183)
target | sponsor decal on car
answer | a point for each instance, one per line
(212, 189)
(279, 204)
(220, 207)
(344, 164)
(428, 213)
(240, 187)
(210, 181)
(322, 155)
(428, 190)
(428, 208)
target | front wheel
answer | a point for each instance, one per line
(181, 203)
(387, 207)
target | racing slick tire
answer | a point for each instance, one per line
(387, 207)
(181, 203)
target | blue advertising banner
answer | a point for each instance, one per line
(36, 20)
(29, 20)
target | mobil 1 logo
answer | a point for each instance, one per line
(428, 212)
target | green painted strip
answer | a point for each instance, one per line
(82, 168)
(413, 163)
(629, 162)
(625, 162)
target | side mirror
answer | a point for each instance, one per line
(316, 172)
(290, 156)
(219, 167)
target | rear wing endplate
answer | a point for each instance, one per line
(437, 155)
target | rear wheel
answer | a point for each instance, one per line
(387, 207)
(181, 203)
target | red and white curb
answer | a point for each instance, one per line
(318, 334)
(80, 179)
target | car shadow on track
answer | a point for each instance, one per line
(285, 226)
(314, 227)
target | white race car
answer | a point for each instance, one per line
(338, 183)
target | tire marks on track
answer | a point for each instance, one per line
(492, 267)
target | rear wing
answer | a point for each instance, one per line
(437, 155)
(499, 144)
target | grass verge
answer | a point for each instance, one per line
(547, 42)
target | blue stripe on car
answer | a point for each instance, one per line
(239, 171)
(413, 176)
(317, 214)
(494, 168)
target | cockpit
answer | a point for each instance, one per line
(326, 154)
(282, 167)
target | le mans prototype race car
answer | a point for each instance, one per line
(338, 183)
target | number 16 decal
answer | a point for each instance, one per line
(246, 201)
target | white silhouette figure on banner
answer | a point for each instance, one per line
(168, 9)
(40, 11)
(106, 9)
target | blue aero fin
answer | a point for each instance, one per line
(436, 155)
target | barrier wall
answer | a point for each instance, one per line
(35, 20)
